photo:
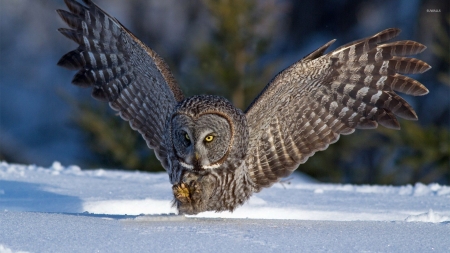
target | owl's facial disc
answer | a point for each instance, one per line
(201, 143)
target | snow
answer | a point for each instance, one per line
(66, 209)
(430, 216)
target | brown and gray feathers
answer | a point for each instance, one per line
(121, 70)
(308, 105)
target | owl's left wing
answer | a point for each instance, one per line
(121, 70)
(309, 105)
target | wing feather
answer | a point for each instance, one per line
(307, 106)
(121, 70)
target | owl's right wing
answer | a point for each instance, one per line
(122, 70)
(310, 104)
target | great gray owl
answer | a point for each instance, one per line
(216, 155)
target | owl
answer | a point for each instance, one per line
(216, 155)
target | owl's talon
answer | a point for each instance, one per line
(181, 192)
(188, 192)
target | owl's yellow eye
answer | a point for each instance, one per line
(209, 138)
(187, 137)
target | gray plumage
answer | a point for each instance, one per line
(216, 155)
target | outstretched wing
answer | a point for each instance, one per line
(308, 105)
(121, 70)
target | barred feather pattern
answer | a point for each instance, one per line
(309, 105)
(122, 70)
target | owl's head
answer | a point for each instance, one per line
(207, 133)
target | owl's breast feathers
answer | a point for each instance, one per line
(216, 190)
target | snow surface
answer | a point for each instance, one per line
(66, 209)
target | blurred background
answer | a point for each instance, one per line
(225, 47)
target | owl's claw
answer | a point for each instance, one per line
(181, 192)
(189, 196)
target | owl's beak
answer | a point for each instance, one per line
(196, 162)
